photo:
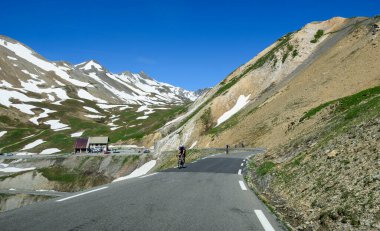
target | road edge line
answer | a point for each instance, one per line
(263, 220)
(242, 185)
(152, 174)
(81, 194)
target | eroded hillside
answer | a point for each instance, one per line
(311, 99)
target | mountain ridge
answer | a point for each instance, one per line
(42, 98)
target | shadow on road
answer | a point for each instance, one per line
(211, 165)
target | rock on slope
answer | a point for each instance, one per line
(263, 103)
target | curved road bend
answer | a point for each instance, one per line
(208, 194)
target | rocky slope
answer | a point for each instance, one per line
(275, 101)
(42, 99)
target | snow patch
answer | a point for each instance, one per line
(27, 54)
(13, 169)
(77, 134)
(60, 83)
(50, 151)
(30, 74)
(6, 95)
(5, 84)
(240, 103)
(94, 116)
(193, 145)
(144, 169)
(33, 144)
(56, 125)
(91, 64)
(85, 95)
(25, 108)
(11, 58)
(42, 115)
(3, 133)
(90, 109)
(142, 117)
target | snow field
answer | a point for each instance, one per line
(240, 103)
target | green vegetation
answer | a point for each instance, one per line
(60, 174)
(270, 55)
(317, 36)
(131, 158)
(265, 168)
(352, 105)
(13, 140)
(13, 175)
(72, 180)
(206, 119)
(225, 125)
(294, 53)
(224, 86)
(284, 57)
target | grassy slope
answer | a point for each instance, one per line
(342, 116)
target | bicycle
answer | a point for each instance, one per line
(181, 161)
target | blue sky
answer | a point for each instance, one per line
(191, 44)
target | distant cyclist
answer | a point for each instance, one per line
(181, 156)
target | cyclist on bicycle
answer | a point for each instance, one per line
(182, 154)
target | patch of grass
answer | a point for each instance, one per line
(128, 159)
(206, 119)
(13, 175)
(377, 216)
(370, 95)
(294, 53)
(231, 122)
(5, 196)
(59, 174)
(317, 36)
(251, 165)
(265, 168)
(284, 57)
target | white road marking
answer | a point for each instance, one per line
(81, 194)
(264, 221)
(149, 175)
(242, 164)
(239, 172)
(242, 185)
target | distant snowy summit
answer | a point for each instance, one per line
(23, 72)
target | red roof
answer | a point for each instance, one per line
(81, 143)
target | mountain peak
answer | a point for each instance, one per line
(90, 65)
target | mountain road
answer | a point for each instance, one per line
(208, 194)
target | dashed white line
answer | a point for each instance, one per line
(239, 172)
(149, 175)
(242, 185)
(81, 194)
(264, 221)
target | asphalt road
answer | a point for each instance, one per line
(206, 195)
